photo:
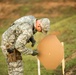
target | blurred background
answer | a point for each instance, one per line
(62, 14)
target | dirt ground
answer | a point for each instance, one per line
(6, 9)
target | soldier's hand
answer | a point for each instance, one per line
(33, 43)
(35, 52)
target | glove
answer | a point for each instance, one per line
(32, 41)
(35, 52)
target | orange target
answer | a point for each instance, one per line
(51, 52)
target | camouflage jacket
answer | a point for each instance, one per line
(18, 34)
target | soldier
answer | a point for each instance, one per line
(17, 36)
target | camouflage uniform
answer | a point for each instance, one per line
(16, 36)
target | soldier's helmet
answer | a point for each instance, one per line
(45, 24)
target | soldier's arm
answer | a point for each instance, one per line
(21, 42)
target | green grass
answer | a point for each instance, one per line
(71, 63)
(3, 65)
(67, 31)
(31, 68)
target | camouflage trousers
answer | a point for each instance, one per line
(15, 68)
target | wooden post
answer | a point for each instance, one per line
(38, 66)
(63, 62)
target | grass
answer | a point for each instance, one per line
(71, 63)
(3, 65)
(67, 31)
